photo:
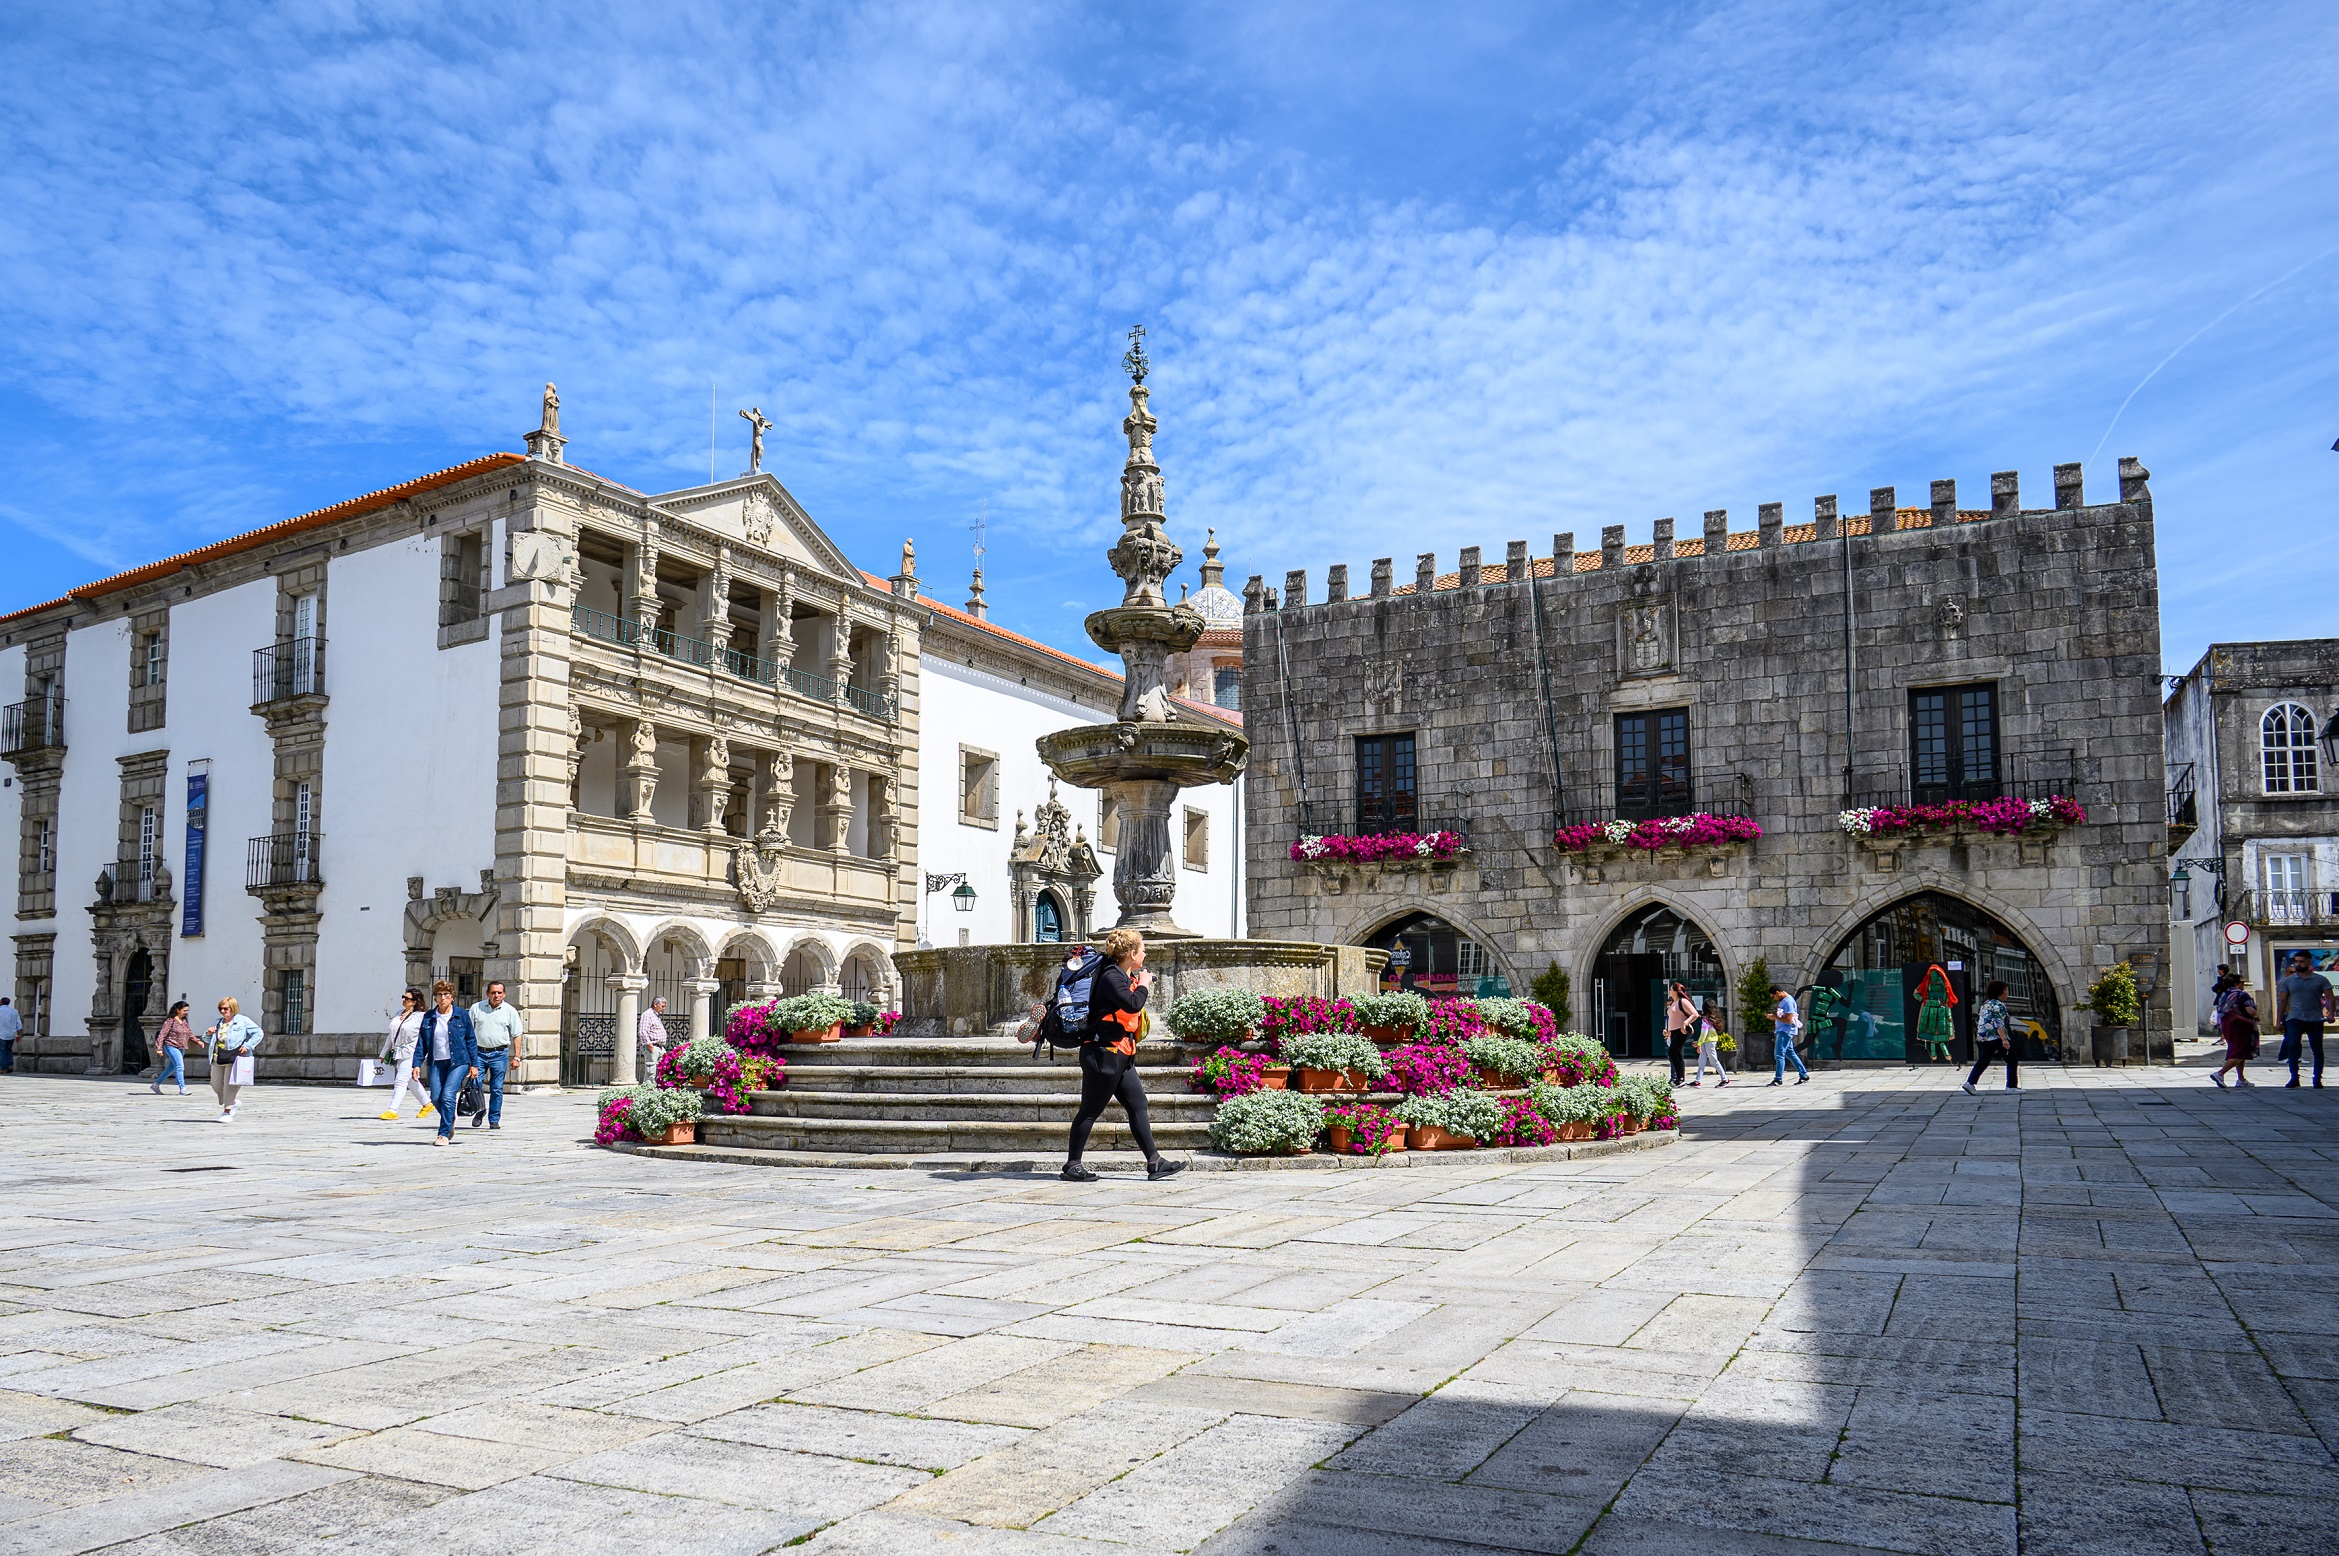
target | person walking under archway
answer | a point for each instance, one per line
(1991, 1036)
(1680, 1025)
(1108, 1055)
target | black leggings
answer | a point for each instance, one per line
(1105, 1076)
(1984, 1053)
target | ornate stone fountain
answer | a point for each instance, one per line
(1149, 753)
(1140, 760)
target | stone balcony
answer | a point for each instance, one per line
(663, 860)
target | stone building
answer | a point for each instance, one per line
(1784, 675)
(2252, 735)
(511, 720)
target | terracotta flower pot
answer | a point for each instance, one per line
(1331, 1080)
(696, 1084)
(1632, 1125)
(1389, 1034)
(1429, 1137)
(1355, 1080)
(1276, 1080)
(684, 1133)
(832, 1033)
(859, 1031)
(1579, 1131)
(1339, 1137)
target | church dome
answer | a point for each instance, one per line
(1218, 607)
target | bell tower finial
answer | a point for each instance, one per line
(1135, 362)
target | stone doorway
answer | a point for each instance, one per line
(137, 988)
(1652, 948)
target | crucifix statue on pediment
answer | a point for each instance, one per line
(760, 423)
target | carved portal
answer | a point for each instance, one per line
(1052, 856)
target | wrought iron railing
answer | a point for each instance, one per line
(2184, 806)
(1687, 807)
(294, 668)
(133, 879)
(2287, 907)
(1368, 823)
(1874, 794)
(809, 683)
(876, 704)
(35, 724)
(604, 626)
(284, 859)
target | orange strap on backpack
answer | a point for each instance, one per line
(1128, 1020)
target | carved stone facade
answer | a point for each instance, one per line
(1053, 874)
(1990, 652)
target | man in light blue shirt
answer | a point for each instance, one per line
(1786, 1021)
(11, 1025)
(495, 1028)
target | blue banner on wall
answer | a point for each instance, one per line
(191, 877)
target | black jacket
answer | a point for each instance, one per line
(1110, 992)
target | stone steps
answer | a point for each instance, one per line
(1054, 1109)
(869, 1134)
(1024, 1080)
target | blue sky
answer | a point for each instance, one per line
(1414, 276)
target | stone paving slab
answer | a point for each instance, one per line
(1821, 1321)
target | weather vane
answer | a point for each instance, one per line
(981, 524)
(1135, 362)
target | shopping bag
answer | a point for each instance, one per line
(241, 1075)
(366, 1073)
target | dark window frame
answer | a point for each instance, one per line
(1956, 743)
(1388, 783)
(1654, 776)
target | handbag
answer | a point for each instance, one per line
(241, 1075)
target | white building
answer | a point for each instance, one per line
(515, 721)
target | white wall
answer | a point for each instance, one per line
(960, 705)
(209, 703)
(12, 825)
(410, 763)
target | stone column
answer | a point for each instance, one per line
(702, 992)
(1145, 871)
(836, 807)
(629, 988)
(779, 795)
(840, 653)
(535, 743)
(714, 781)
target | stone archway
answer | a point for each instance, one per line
(1645, 948)
(1879, 962)
(1437, 953)
(470, 915)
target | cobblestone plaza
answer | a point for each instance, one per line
(1868, 1313)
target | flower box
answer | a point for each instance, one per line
(1428, 1137)
(1330, 1080)
(684, 1133)
(1276, 1080)
(1392, 847)
(861, 1031)
(1632, 1125)
(1579, 1131)
(832, 1033)
(1389, 1034)
(2003, 817)
(1699, 829)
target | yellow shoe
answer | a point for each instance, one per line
(425, 1113)
(390, 1117)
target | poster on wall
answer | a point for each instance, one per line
(191, 876)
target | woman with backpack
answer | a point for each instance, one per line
(2237, 1019)
(1108, 1055)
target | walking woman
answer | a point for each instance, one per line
(398, 1050)
(1991, 1032)
(1680, 1024)
(1108, 1055)
(1709, 1047)
(234, 1041)
(2237, 1019)
(172, 1042)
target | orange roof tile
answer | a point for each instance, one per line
(314, 519)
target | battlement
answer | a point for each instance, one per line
(1885, 516)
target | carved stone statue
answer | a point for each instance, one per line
(755, 419)
(552, 410)
(755, 517)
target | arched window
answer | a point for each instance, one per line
(2286, 744)
(1047, 919)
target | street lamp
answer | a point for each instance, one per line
(962, 899)
(2181, 885)
(2329, 741)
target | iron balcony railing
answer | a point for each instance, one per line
(1687, 805)
(133, 879)
(283, 859)
(609, 627)
(2184, 806)
(1370, 821)
(1874, 794)
(2287, 907)
(35, 724)
(294, 668)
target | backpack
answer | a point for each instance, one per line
(1063, 1020)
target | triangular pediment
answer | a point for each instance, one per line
(757, 513)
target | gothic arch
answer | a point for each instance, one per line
(1588, 957)
(1390, 915)
(2043, 948)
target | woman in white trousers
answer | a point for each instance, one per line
(398, 1052)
